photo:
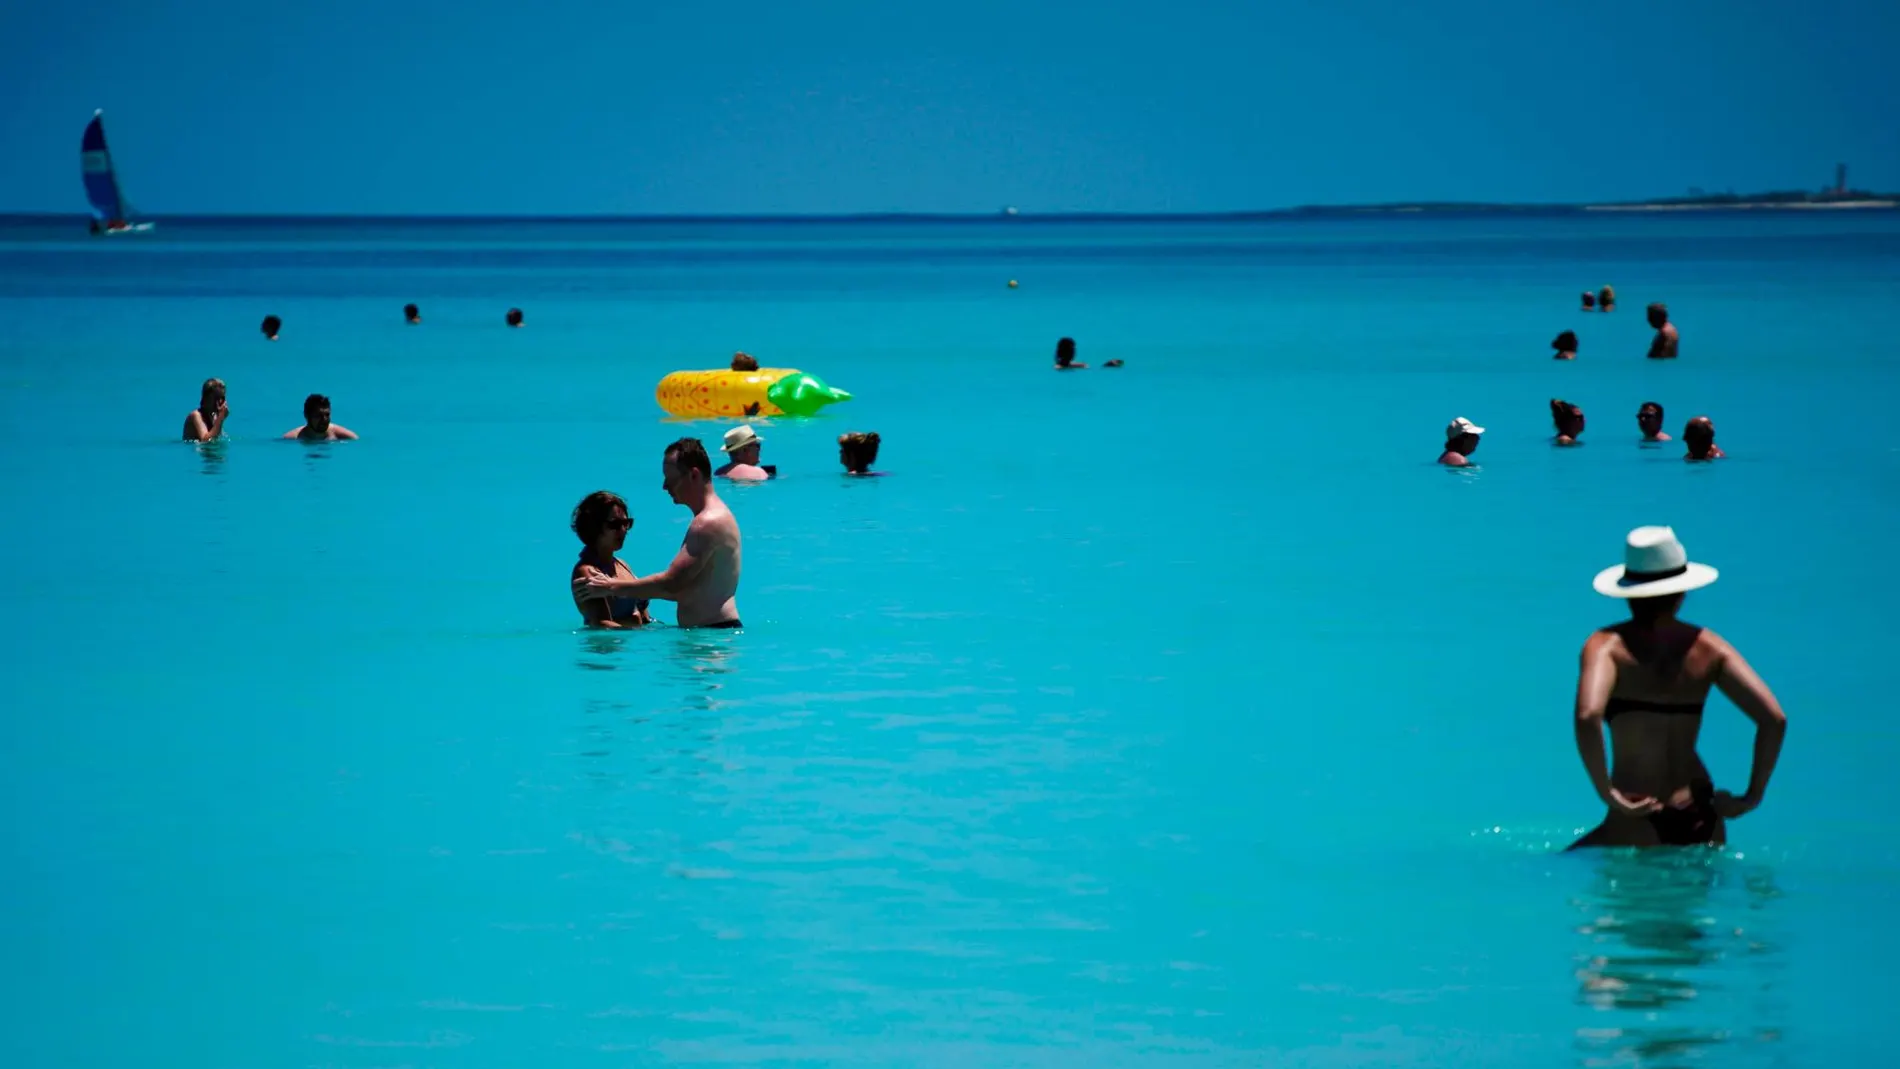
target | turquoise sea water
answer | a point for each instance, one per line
(1180, 715)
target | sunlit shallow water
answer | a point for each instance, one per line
(1184, 714)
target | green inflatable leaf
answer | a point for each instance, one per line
(803, 395)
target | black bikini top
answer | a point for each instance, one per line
(1644, 705)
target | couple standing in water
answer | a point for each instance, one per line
(1646, 680)
(703, 579)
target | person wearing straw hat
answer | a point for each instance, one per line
(1646, 680)
(742, 449)
(1461, 440)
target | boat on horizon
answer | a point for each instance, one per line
(111, 214)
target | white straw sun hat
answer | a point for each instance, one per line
(739, 437)
(1654, 565)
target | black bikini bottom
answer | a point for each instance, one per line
(1693, 825)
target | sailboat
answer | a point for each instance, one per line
(110, 212)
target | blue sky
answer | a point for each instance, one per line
(554, 106)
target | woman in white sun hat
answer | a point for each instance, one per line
(1647, 679)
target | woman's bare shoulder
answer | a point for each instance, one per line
(1604, 641)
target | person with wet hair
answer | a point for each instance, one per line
(1566, 345)
(1663, 345)
(1649, 419)
(1568, 419)
(744, 362)
(316, 423)
(857, 451)
(411, 314)
(207, 420)
(270, 327)
(1065, 356)
(1699, 436)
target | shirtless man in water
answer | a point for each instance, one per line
(704, 576)
(1663, 345)
(1646, 680)
(316, 423)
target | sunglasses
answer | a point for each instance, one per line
(625, 523)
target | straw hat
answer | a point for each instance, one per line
(1654, 565)
(739, 437)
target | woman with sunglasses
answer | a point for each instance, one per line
(601, 522)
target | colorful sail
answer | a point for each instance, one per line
(95, 169)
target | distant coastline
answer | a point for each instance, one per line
(1848, 200)
(1844, 200)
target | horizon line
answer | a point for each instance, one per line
(1706, 203)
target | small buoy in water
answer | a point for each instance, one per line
(1012, 283)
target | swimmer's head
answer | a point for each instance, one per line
(857, 451)
(1565, 342)
(1650, 418)
(411, 313)
(1567, 417)
(1606, 295)
(1461, 436)
(1589, 299)
(212, 392)
(271, 326)
(742, 444)
(744, 362)
(601, 521)
(316, 412)
(1658, 314)
(1065, 352)
(1699, 435)
(514, 317)
(685, 471)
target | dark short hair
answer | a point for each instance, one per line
(271, 323)
(688, 454)
(1065, 350)
(314, 402)
(1567, 341)
(1647, 405)
(744, 362)
(411, 310)
(590, 516)
(858, 449)
(1658, 306)
(1560, 411)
